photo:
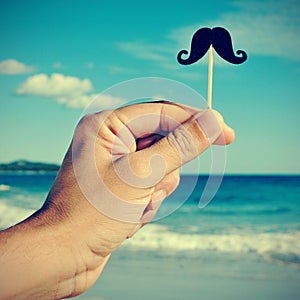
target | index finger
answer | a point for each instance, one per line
(153, 117)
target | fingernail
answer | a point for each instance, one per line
(209, 124)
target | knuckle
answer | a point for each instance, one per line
(86, 123)
(91, 123)
(182, 141)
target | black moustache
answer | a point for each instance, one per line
(221, 41)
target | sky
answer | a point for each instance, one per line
(55, 56)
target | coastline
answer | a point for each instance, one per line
(243, 245)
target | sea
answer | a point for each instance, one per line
(245, 244)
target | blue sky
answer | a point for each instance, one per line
(55, 55)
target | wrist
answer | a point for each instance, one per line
(59, 263)
(85, 237)
(31, 248)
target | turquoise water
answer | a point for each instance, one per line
(246, 240)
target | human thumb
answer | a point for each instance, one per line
(147, 167)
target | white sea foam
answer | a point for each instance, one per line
(283, 247)
(10, 215)
(4, 187)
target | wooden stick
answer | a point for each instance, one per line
(210, 76)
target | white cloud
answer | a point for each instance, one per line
(144, 50)
(75, 101)
(13, 67)
(269, 28)
(96, 102)
(105, 101)
(56, 85)
(163, 57)
(261, 28)
(70, 91)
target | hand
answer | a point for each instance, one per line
(120, 166)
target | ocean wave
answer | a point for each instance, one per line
(283, 247)
(4, 187)
(238, 211)
(10, 215)
(248, 211)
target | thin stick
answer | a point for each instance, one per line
(210, 76)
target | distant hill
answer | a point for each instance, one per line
(24, 165)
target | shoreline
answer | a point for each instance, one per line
(171, 278)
